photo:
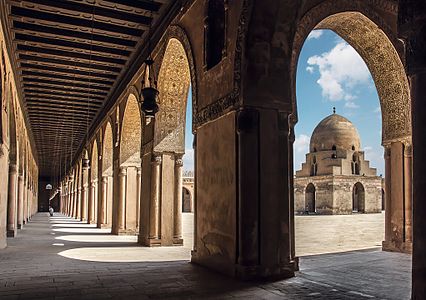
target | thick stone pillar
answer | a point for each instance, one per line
(103, 196)
(397, 182)
(154, 206)
(120, 210)
(177, 204)
(418, 92)
(12, 213)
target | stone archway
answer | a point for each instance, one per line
(358, 198)
(127, 204)
(186, 200)
(310, 194)
(163, 161)
(93, 185)
(106, 189)
(376, 42)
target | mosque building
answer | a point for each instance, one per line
(336, 178)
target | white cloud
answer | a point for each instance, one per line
(188, 160)
(341, 70)
(301, 143)
(310, 69)
(350, 104)
(315, 34)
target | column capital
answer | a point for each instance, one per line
(156, 159)
(178, 160)
(122, 171)
(104, 179)
(13, 168)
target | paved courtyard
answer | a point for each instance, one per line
(60, 258)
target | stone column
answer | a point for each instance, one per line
(121, 212)
(291, 194)
(21, 188)
(25, 201)
(248, 193)
(74, 200)
(84, 196)
(388, 203)
(138, 194)
(102, 214)
(91, 206)
(12, 223)
(154, 207)
(177, 207)
(79, 190)
(408, 189)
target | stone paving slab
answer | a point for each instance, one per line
(32, 267)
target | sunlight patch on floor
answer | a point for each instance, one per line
(128, 254)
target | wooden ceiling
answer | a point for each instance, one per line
(69, 57)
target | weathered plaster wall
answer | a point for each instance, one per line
(216, 195)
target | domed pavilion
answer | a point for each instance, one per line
(336, 179)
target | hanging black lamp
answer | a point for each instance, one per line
(86, 163)
(149, 92)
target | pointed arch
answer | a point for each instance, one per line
(107, 150)
(174, 81)
(131, 133)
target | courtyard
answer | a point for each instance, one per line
(61, 258)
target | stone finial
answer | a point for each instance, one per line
(334, 110)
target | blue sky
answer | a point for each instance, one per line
(330, 73)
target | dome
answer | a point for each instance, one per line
(335, 132)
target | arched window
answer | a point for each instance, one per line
(353, 147)
(314, 166)
(333, 148)
(215, 33)
(355, 164)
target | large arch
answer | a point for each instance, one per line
(164, 184)
(371, 36)
(93, 185)
(106, 188)
(129, 180)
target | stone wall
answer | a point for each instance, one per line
(334, 193)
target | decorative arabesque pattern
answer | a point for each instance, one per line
(173, 83)
(366, 31)
(385, 67)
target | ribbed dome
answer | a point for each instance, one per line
(335, 131)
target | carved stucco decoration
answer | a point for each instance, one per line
(131, 134)
(374, 40)
(107, 150)
(177, 33)
(173, 83)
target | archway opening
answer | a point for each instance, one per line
(352, 61)
(107, 178)
(358, 198)
(172, 145)
(310, 198)
(186, 200)
(129, 178)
